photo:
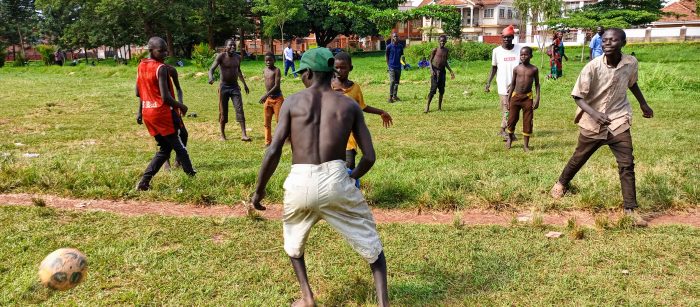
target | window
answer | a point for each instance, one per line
(501, 13)
(488, 13)
(510, 14)
(467, 18)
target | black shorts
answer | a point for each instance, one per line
(233, 92)
(437, 81)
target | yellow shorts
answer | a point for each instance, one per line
(325, 191)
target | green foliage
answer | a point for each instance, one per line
(465, 51)
(140, 56)
(615, 18)
(202, 56)
(46, 52)
(19, 60)
(276, 13)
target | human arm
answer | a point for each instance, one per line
(163, 85)
(494, 69)
(272, 155)
(387, 121)
(447, 65)
(599, 117)
(430, 60)
(275, 87)
(364, 141)
(213, 68)
(176, 83)
(139, 114)
(646, 109)
(511, 86)
(386, 55)
(240, 76)
(536, 104)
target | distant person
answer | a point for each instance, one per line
(521, 97)
(438, 64)
(157, 110)
(404, 63)
(59, 57)
(559, 48)
(272, 99)
(596, 44)
(394, 52)
(230, 63)
(318, 121)
(423, 63)
(289, 59)
(604, 117)
(341, 83)
(504, 59)
(554, 61)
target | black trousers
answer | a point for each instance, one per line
(621, 147)
(173, 142)
(394, 79)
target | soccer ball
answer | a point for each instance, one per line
(63, 269)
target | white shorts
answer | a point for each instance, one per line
(325, 191)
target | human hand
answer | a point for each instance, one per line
(387, 120)
(139, 119)
(247, 91)
(487, 88)
(647, 111)
(600, 118)
(183, 108)
(256, 199)
(536, 104)
(452, 75)
(262, 99)
(211, 81)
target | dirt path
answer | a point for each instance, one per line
(469, 217)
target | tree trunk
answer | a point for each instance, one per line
(210, 26)
(85, 53)
(169, 40)
(21, 43)
(242, 41)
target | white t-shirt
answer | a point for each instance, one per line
(288, 54)
(506, 61)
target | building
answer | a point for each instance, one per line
(681, 13)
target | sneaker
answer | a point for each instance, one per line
(558, 191)
(143, 186)
(637, 220)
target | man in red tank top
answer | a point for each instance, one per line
(157, 110)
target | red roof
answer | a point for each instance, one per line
(685, 8)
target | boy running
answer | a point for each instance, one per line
(604, 117)
(230, 63)
(520, 93)
(438, 63)
(341, 83)
(157, 112)
(318, 122)
(272, 100)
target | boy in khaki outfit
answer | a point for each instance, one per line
(604, 116)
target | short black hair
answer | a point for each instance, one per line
(269, 53)
(443, 35)
(232, 39)
(344, 56)
(618, 31)
(529, 50)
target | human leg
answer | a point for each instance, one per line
(162, 155)
(379, 273)
(584, 150)
(286, 67)
(528, 113)
(307, 296)
(503, 102)
(268, 111)
(433, 90)
(392, 80)
(513, 117)
(621, 147)
(240, 116)
(441, 87)
(223, 111)
(397, 81)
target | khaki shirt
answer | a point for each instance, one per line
(604, 88)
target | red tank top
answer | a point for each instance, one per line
(157, 115)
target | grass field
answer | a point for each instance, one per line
(81, 122)
(240, 262)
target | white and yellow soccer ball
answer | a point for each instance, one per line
(63, 269)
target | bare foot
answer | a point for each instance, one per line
(426, 111)
(509, 141)
(245, 138)
(222, 138)
(304, 303)
(526, 149)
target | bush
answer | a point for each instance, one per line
(202, 56)
(46, 52)
(140, 56)
(19, 60)
(467, 51)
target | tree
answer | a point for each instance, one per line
(18, 17)
(275, 13)
(538, 12)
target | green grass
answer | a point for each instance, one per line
(238, 261)
(81, 122)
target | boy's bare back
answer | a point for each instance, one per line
(318, 124)
(524, 78)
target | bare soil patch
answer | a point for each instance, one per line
(274, 212)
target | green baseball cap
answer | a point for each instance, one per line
(317, 59)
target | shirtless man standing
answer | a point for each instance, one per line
(438, 63)
(318, 121)
(230, 63)
(521, 97)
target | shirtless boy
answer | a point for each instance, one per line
(272, 99)
(520, 93)
(341, 83)
(318, 121)
(230, 63)
(438, 64)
